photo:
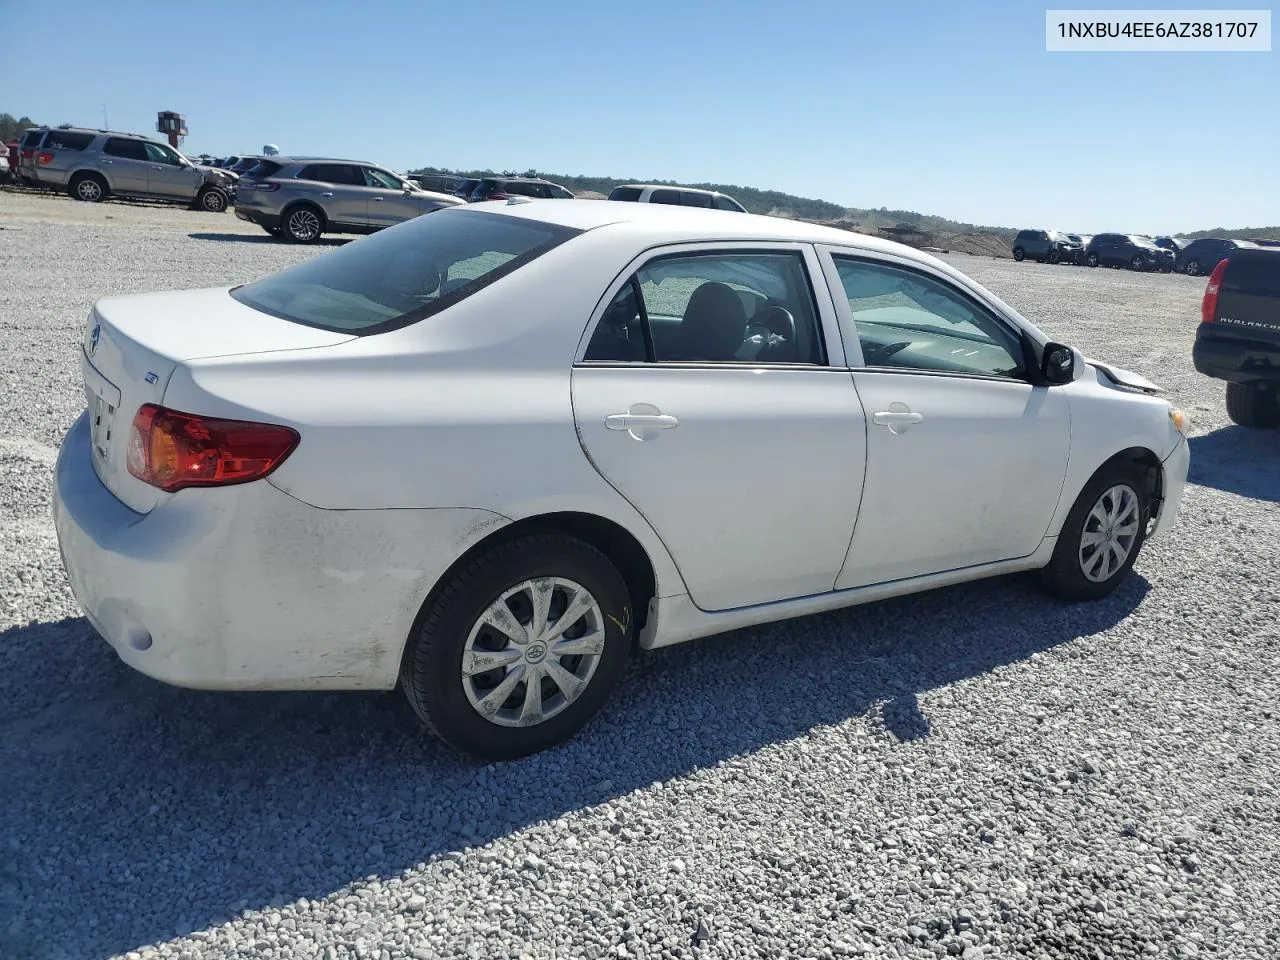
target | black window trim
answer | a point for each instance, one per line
(1015, 332)
(651, 353)
(559, 235)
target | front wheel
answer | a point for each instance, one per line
(521, 647)
(1019, 254)
(1249, 405)
(212, 200)
(1193, 268)
(1102, 535)
(1091, 259)
(1055, 256)
(1137, 263)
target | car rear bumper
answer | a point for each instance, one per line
(1174, 478)
(246, 587)
(270, 221)
(1235, 359)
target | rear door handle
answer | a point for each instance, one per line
(643, 421)
(379, 199)
(897, 418)
(328, 193)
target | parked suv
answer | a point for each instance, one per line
(502, 188)
(676, 196)
(93, 164)
(1201, 256)
(1238, 339)
(1047, 245)
(1127, 250)
(304, 198)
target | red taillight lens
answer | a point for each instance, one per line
(28, 153)
(45, 158)
(172, 450)
(1209, 305)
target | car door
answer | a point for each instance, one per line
(169, 175)
(388, 201)
(125, 164)
(965, 456)
(711, 393)
(339, 190)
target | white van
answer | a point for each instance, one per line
(677, 196)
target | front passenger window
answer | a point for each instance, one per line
(906, 319)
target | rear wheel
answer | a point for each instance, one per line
(521, 647)
(303, 223)
(1252, 405)
(1102, 535)
(1193, 268)
(1019, 254)
(89, 187)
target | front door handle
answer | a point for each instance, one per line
(327, 193)
(643, 421)
(379, 199)
(897, 418)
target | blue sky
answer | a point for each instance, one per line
(939, 107)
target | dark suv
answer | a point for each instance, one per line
(1127, 250)
(1201, 256)
(1238, 339)
(1046, 246)
(503, 188)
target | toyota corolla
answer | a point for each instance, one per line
(487, 455)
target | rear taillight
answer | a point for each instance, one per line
(1209, 305)
(28, 153)
(172, 450)
(497, 196)
(45, 158)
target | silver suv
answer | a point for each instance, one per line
(93, 164)
(304, 197)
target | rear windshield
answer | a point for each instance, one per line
(625, 193)
(264, 168)
(401, 275)
(1254, 273)
(66, 140)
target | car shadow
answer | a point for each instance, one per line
(203, 805)
(1238, 460)
(265, 238)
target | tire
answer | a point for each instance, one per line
(1193, 268)
(1065, 575)
(89, 187)
(1137, 263)
(1055, 256)
(1091, 259)
(1019, 254)
(451, 630)
(303, 223)
(212, 200)
(1250, 406)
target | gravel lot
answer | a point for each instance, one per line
(978, 772)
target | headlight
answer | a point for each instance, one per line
(1179, 419)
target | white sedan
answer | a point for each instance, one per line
(487, 453)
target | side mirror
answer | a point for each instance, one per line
(1057, 363)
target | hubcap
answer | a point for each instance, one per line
(1110, 531)
(213, 200)
(1193, 268)
(533, 652)
(304, 224)
(89, 189)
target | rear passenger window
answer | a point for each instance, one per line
(125, 149)
(752, 308)
(690, 198)
(67, 140)
(665, 196)
(342, 173)
(625, 193)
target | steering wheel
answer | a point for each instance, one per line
(876, 354)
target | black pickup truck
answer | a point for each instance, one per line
(1239, 335)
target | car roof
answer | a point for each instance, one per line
(279, 159)
(690, 223)
(670, 186)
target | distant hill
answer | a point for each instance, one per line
(905, 226)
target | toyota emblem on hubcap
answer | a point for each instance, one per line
(535, 653)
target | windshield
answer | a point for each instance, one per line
(401, 275)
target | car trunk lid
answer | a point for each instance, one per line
(132, 346)
(1248, 299)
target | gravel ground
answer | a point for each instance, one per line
(978, 772)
